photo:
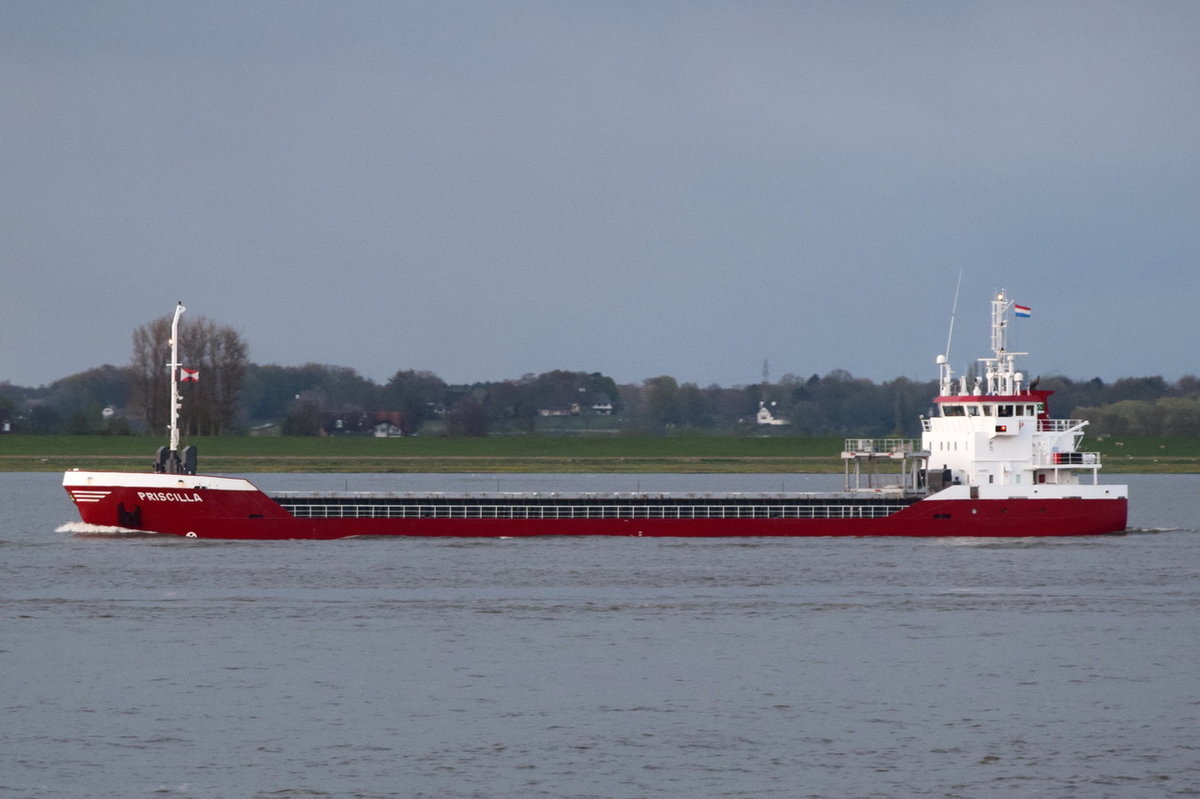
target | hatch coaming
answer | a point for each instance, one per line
(842, 505)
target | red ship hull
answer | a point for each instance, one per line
(196, 509)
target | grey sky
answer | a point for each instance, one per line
(486, 189)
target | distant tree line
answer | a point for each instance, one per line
(235, 396)
(211, 405)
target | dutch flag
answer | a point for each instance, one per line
(1023, 311)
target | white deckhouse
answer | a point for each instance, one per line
(998, 432)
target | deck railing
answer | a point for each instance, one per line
(883, 446)
(1087, 459)
(1059, 425)
(514, 511)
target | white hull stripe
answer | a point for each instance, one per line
(89, 496)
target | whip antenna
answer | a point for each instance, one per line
(944, 371)
(953, 313)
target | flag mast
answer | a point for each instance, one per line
(173, 430)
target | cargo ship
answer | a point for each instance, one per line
(990, 462)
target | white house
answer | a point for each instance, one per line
(765, 416)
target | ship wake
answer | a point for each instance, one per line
(83, 529)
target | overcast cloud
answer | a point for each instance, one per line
(643, 188)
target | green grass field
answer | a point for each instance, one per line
(499, 454)
(695, 454)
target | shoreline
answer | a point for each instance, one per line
(515, 464)
(678, 454)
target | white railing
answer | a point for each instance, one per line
(1067, 459)
(1059, 425)
(882, 446)
(783, 511)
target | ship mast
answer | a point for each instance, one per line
(173, 366)
(1002, 375)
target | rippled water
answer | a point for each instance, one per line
(138, 665)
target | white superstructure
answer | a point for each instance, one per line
(995, 430)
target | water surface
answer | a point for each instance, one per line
(577, 667)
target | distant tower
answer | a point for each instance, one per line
(765, 414)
